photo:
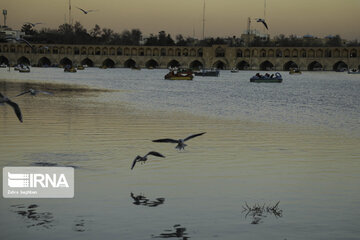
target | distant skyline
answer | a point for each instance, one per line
(223, 18)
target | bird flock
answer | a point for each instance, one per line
(180, 146)
(141, 159)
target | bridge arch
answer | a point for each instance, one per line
(243, 65)
(151, 64)
(315, 66)
(23, 60)
(247, 53)
(239, 53)
(289, 65)
(88, 62)
(287, 53)
(271, 53)
(340, 65)
(65, 61)
(196, 65)
(262, 53)
(4, 60)
(266, 66)
(129, 63)
(219, 52)
(109, 63)
(173, 63)
(353, 53)
(44, 62)
(219, 65)
(170, 52)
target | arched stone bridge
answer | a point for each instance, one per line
(217, 56)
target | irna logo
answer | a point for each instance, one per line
(38, 182)
(44, 180)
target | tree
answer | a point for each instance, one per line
(136, 36)
(106, 35)
(95, 32)
(28, 29)
(180, 41)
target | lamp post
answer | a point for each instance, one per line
(4, 13)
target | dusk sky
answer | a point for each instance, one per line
(223, 18)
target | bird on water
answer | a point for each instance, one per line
(180, 142)
(4, 99)
(33, 92)
(144, 158)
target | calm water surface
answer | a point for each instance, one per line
(297, 142)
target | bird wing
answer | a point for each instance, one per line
(44, 92)
(134, 162)
(84, 11)
(16, 109)
(22, 93)
(192, 136)
(27, 43)
(168, 140)
(263, 21)
(265, 25)
(155, 154)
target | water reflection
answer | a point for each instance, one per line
(258, 212)
(81, 224)
(56, 159)
(33, 217)
(144, 201)
(176, 232)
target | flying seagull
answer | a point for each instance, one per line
(144, 158)
(263, 21)
(33, 92)
(86, 11)
(181, 142)
(19, 40)
(33, 24)
(16, 108)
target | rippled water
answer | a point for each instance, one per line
(296, 142)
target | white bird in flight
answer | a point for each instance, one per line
(86, 11)
(144, 158)
(180, 142)
(33, 92)
(4, 99)
(19, 40)
(263, 21)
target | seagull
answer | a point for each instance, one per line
(86, 11)
(33, 92)
(180, 142)
(144, 158)
(16, 108)
(19, 40)
(263, 21)
(33, 24)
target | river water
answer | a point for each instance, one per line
(297, 142)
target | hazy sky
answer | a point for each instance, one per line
(223, 17)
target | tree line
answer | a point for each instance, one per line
(77, 34)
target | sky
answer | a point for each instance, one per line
(223, 18)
